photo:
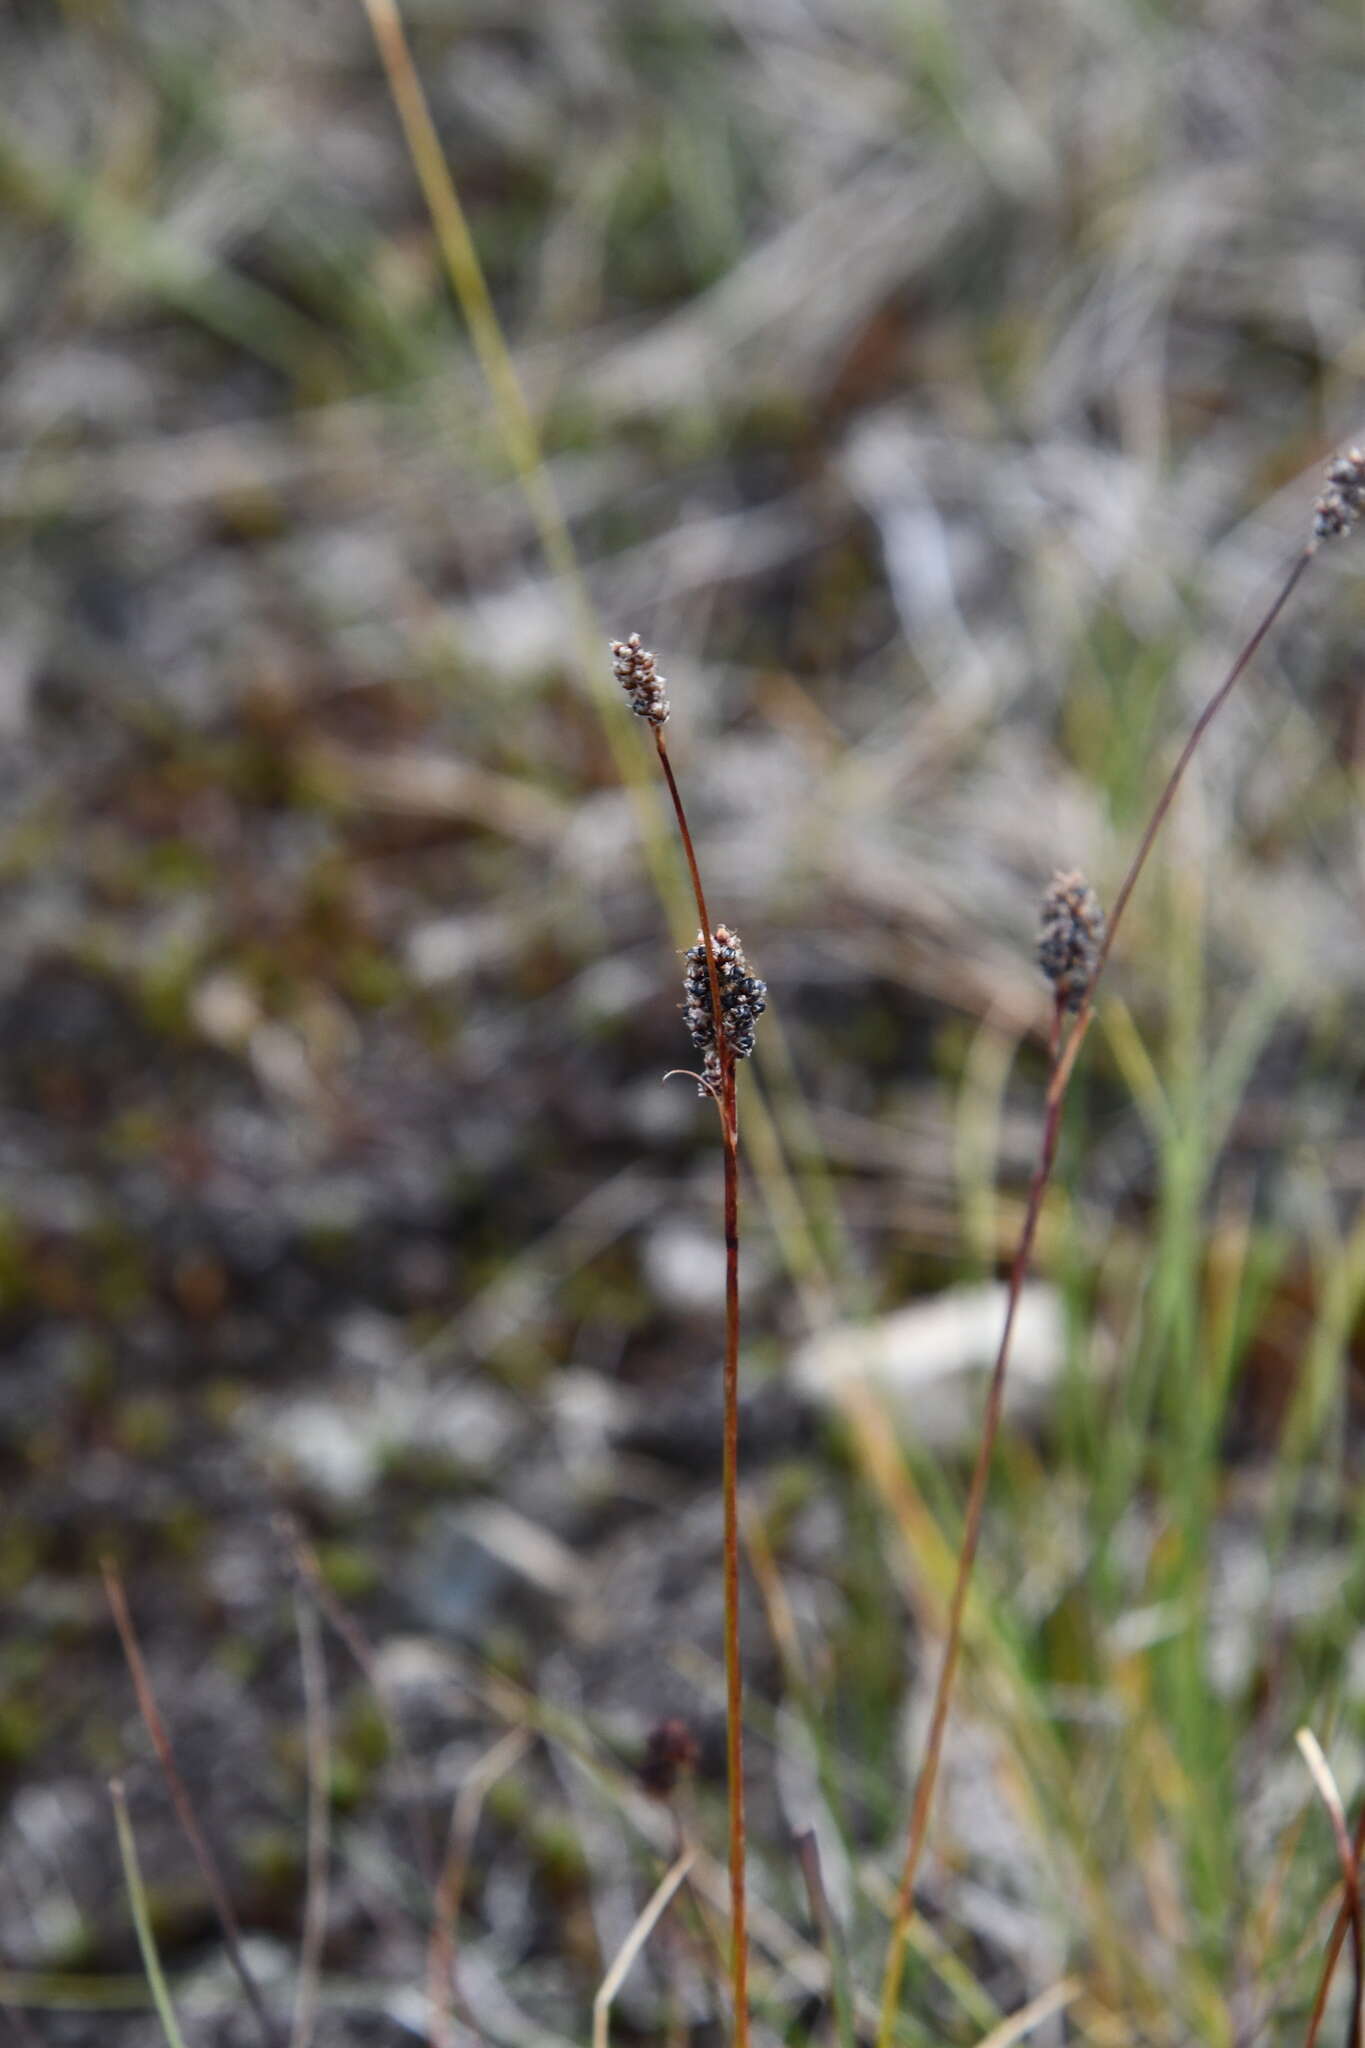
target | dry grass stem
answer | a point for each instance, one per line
(634, 1942)
(1019, 2025)
(443, 1945)
(515, 420)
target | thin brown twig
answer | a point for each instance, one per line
(1064, 1056)
(180, 1798)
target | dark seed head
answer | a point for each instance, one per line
(1070, 936)
(741, 1001)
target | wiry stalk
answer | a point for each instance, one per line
(693, 870)
(1201, 725)
(734, 1677)
(1064, 1054)
(635, 668)
(734, 1680)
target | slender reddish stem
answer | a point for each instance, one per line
(1062, 1074)
(1063, 1061)
(734, 1677)
(1348, 1918)
(684, 833)
(726, 1102)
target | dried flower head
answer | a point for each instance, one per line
(743, 999)
(671, 1752)
(1343, 501)
(1070, 936)
(635, 672)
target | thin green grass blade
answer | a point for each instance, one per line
(137, 1900)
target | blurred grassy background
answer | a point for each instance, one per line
(938, 389)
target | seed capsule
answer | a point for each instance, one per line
(743, 999)
(635, 671)
(1070, 936)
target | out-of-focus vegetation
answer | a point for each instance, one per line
(938, 388)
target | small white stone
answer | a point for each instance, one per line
(685, 1266)
(930, 1362)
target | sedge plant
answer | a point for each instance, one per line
(1074, 950)
(722, 1003)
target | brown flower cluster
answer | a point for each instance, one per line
(743, 999)
(1070, 936)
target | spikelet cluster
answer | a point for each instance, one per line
(635, 672)
(1343, 501)
(1070, 936)
(743, 999)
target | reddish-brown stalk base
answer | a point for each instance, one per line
(734, 1678)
